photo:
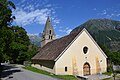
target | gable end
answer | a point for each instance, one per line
(75, 39)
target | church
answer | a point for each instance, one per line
(74, 54)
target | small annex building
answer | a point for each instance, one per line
(74, 54)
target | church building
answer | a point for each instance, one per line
(74, 54)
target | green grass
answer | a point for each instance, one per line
(107, 79)
(117, 71)
(107, 73)
(65, 77)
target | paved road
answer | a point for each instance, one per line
(17, 73)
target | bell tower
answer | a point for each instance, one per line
(48, 33)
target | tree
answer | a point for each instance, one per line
(19, 45)
(5, 40)
(5, 21)
(32, 50)
(115, 58)
(6, 13)
(5, 33)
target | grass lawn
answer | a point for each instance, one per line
(64, 77)
(107, 79)
(107, 73)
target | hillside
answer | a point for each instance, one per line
(104, 31)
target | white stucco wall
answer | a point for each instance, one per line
(75, 52)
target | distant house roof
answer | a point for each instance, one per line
(53, 49)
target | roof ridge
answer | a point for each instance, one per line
(55, 47)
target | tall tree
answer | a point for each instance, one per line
(5, 33)
(19, 45)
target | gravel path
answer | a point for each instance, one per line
(17, 73)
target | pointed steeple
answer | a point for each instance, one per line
(48, 27)
(48, 33)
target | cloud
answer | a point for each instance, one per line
(112, 12)
(29, 34)
(25, 18)
(29, 13)
(35, 34)
(22, 1)
(104, 12)
(94, 9)
(57, 21)
(48, 5)
(63, 31)
(118, 14)
(29, 7)
(67, 30)
(58, 36)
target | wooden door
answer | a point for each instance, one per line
(86, 69)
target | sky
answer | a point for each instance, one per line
(65, 15)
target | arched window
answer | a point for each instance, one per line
(51, 37)
(50, 31)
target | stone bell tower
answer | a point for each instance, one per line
(48, 33)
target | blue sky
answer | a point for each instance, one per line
(65, 14)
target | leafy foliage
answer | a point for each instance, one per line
(13, 39)
(6, 13)
(115, 57)
(5, 33)
(19, 44)
(5, 40)
(32, 50)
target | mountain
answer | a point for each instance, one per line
(104, 31)
(34, 39)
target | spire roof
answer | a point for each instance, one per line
(48, 26)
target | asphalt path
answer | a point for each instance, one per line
(18, 73)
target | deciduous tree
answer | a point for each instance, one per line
(19, 45)
(5, 22)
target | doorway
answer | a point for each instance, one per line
(86, 69)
